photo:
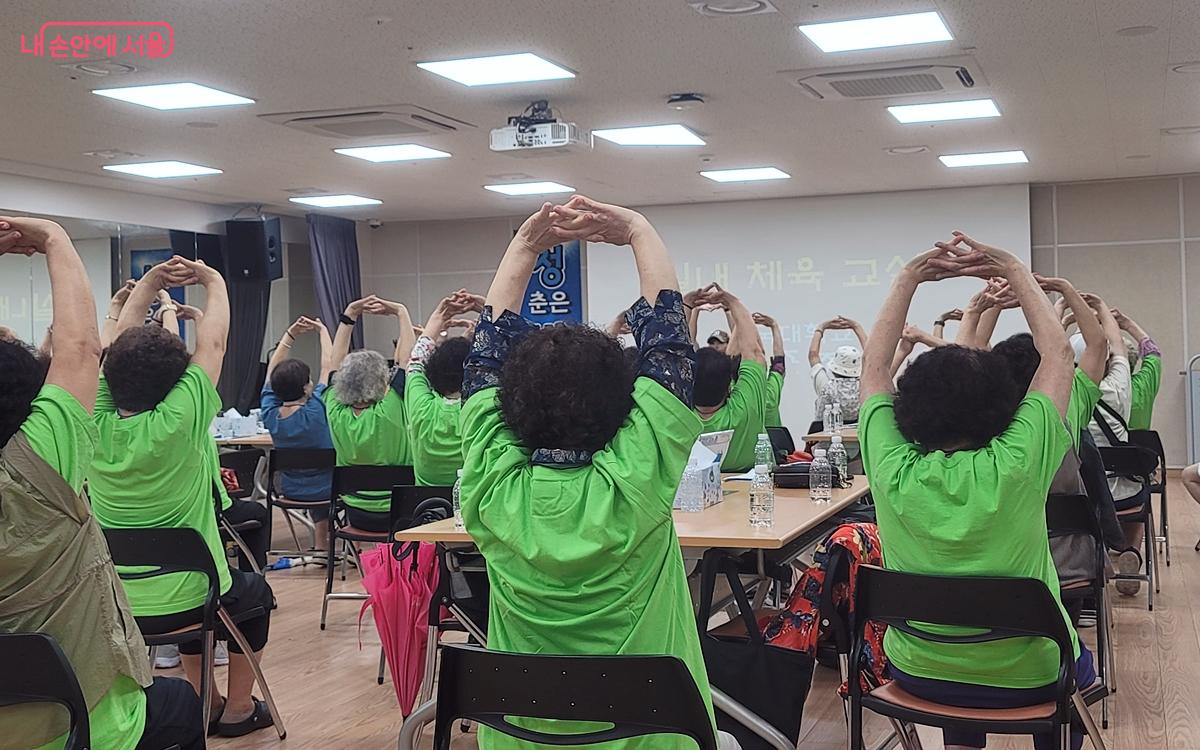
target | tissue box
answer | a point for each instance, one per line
(700, 485)
(241, 427)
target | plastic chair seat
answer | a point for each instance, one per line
(355, 534)
(1086, 583)
(894, 695)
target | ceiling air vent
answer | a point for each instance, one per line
(946, 75)
(386, 120)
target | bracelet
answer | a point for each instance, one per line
(109, 316)
(937, 323)
(347, 319)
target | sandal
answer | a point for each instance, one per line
(259, 718)
(214, 717)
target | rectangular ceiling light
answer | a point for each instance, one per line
(529, 188)
(174, 96)
(985, 159)
(651, 135)
(397, 152)
(335, 201)
(160, 169)
(488, 71)
(940, 111)
(746, 175)
(872, 33)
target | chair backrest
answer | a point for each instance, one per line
(294, 459)
(37, 671)
(1001, 607)
(348, 480)
(1129, 461)
(1072, 514)
(165, 551)
(406, 498)
(242, 460)
(781, 440)
(636, 695)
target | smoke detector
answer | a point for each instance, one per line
(732, 7)
(1186, 130)
(112, 153)
(100, 68)
(681, 102)
(906, 150)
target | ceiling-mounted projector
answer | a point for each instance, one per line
(537, 132)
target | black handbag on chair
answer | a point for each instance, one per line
(770, 681)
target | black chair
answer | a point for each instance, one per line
(1151, 440)
(243, 463)
(37, 671)
(349, 480)
(1136, 463)
(183, 550)
(297, 459)
(1005, 608)
(1076, 515)
(781, 442)
(637, 695)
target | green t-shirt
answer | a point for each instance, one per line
(214, 459)
(774, 397)
(377, 436)
(970, 513)
(435, 432)
(744, 412)
(153, 470)
(585, 560)
(63, 435)
(1146, 382)
(1085, 394)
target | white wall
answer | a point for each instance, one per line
(805, 260)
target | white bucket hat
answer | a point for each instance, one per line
(847, 362)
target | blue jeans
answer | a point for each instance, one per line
(980, 696)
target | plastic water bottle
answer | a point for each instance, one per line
(763, 452)
(838, 457)
(836, 416)
(762, 497)
(827, 419)
(456, 502)
(820, 478)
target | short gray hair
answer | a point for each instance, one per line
(362, 379)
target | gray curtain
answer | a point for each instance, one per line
(242, 373)
(336, 277)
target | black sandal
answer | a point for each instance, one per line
(259, 718)
(214, 719)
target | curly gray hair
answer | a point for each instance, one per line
(362, 379)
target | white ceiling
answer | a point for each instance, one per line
(1076, 96)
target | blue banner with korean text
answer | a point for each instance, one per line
(555, 291)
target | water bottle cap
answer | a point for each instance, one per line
(819, 453)
(835, 439)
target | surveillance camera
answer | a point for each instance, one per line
(374, 223)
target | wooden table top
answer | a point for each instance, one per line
(257, 441)
(725, 525)
(849, 435)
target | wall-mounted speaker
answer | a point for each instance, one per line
(253, 250)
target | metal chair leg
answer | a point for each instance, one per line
(431, 647)
(1089, 723)
(382, 665)
(237, 539)
(206, 677)
(237, 636)
(410, 730)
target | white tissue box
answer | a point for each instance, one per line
(700, 485)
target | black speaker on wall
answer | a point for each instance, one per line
(253, 250)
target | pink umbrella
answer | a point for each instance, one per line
(400, 594)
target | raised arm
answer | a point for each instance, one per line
(512, 276)
(814, 346)
(407, 335)
(939, 325)
(341, 340)
(777, 348)
(283, 349)
(744, 340)
(859, 332)
(1055, 374)
(168, 274)
(108, 331)
(1094, 359)
(903, 350)
(1112, 331)
(168, 312)
(326, 351)
(212, 330)
(75, 366)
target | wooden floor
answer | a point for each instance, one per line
(326, 690)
